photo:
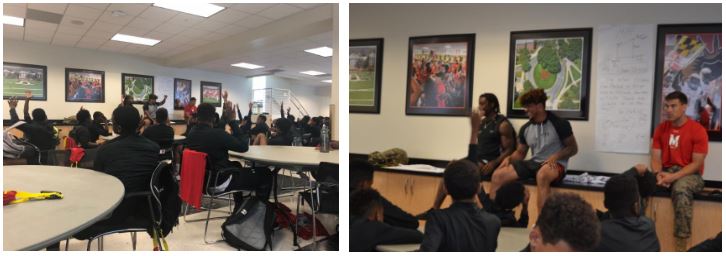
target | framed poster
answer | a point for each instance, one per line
(138, 86)
(211, 93)
(366, 62)
(83, 85)
(439, 80)
(688, 59)
(19, 78)
(557, 61)
(182, 92)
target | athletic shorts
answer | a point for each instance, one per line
(527, 169)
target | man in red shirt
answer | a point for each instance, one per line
(190, 108)
(680, 146)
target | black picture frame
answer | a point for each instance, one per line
(362, 46)
(674, 79)
(417, 101)
(186, 95)
(138, 98)
(9, 70)
(71, 82)
(520, 40)
(210, 85)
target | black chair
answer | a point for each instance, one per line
(322, 196)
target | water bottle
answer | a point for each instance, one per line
(297, 140)
(324, 139)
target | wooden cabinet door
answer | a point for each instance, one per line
(423, 193)
(392, 186)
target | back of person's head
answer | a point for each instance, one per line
(283, 125)
(361, 174)
(461, 179)
(534, 96)
(677, 95)
(365, 203)
(647, 184)
(127, 119)
(128, 99)
(83, 116)
(510, 195)
(162, 115)
(291, 118)
(567, 220)
(621, 194)
(305, 119)
(205, 113)
(262, 118)
(39, 115)
(193, 99)
(97, 115)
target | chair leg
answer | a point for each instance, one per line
(206, 225)
(67, 240)
(88, 245)
(133, 240)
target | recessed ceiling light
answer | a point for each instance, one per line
(313, 73)
(135, 39)
(322, 51)
(10, 20)
(327, 81)
(200, 9)
(247, 65)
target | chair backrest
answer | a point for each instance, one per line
(156, 187)
(327, 173)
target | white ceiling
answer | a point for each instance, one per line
(255, 33)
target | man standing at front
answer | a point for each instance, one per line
(680, 146)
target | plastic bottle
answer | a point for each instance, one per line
(324, 139)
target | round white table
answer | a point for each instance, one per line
(509, 240)
(88, 196)
(287, 156)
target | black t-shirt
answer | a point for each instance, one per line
(131, 159)
(489, 145)
(216, 143)
(161, 134)
(628, 234)
(82, 135)
(281, 140)
(260, 128)
(461, 227)
(98, 130)
(365, 234)
(40, 134)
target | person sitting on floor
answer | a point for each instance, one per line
(37, 130)
(368, 228)
(463, 226)
(81, 133)
(361, 177)
(567, 223)
(512, 194)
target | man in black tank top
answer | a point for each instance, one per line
(491, 140)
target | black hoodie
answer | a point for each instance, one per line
(628, 234)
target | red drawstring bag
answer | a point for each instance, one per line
(76, 155)
(192, 177)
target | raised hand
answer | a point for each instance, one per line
(28, 94)
(13, 102)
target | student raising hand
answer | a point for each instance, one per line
(13, 102)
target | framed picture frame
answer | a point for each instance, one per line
(211, 93)
(440, 75)
(19, 78)
(366, 66)
(557, 61)
(138, 86)
(182, 92)
(84, 85)
(688, 59)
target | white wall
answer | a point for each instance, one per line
(445, 138)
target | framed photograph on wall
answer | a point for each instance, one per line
(182, 92)
(211, 93)
(366, 62)
(21, 78)
(138, 86)
(557, 61)
(439, 80)
(688, 59)
(83, 85)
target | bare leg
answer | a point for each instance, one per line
(440, 196)
(263, 139)
(545, 176)
(500, 177)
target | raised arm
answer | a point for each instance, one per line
(26, 113)
(163, 101)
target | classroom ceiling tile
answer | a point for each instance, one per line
(158, 13)
(115, 18)
(228, 16)
(99, 34)
(54, 8)
(76, 22)
(185, 20)
(65, 40)
(84, 12)
(251, 8)
(209, 25)
(13, 32)
(15, 10)
(139, 22)
(253, 21)
(306, 5)
(96, 6)
(38, 27)
(88, 44)
(105, 26)
(71, 30)
(278, 11)
(170, 28)
(130, 9)
(94, 40)
(38, 37)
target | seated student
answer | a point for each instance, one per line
(552, 143)
(81, 133)
(367, 226)
(216, 143)
(190, 108)
(100, 126)
(37, 130)
(625, 229)
(260, 128)
(161, 132)
(512, 194)
(566, 224)
(190, 124)
(245, 121)
(463, 226)
(281, 134)
(709, 245)
(361, 177)
(646, 186)
(315, 124)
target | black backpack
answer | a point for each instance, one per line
(250, 227)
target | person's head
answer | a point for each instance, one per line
(510, 195)
(315, 121)
(206, 113)
(192, 101)
(305, 119)
(283, 125)
(162, 115)
(83, 116)
(39, 115)
(128, 100)
(146, 122)
(533, 102)
(675, 105)
(488, 103)
(126, 120)
(621, 196)
(152, 97)
(566, 223)
(361, 174)
(261, 119)
(461, 180)
(367, 203)
(291, 118)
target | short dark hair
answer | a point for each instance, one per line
(205, 112)
(360, 171)
(491, 99)
(510, 195)
(97, 115)
(364, 201)
(126, 117)
(534, 96)
(263, 117)
(153, 96)
(283, 125)
(621, 192)
(39, 115)
(162, 115)
(192, 99)
(83, 116)
(567, 217)
(462, 179)
(677, 95)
